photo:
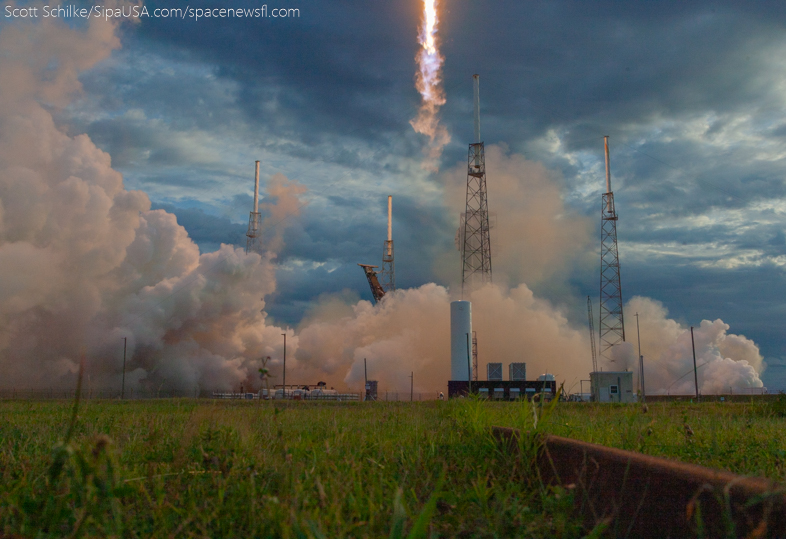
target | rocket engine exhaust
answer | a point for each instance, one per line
(428, 81)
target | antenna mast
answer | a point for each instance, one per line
(476, 239)
(612, 326)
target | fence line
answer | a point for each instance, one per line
(146, 394)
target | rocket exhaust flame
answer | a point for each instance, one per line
(428, 81)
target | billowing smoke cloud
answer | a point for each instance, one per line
(86, 263)
(726, 362)
(410, 331)
(534, 235)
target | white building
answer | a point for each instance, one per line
(612, 386)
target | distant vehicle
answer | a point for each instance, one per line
(580, 397)
(546, 377)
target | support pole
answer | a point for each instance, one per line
(123, 390)
(411, 385)
(469, 367)
(641, 363)
(285, 365)
(256, 188)
(476, 87)
(608, 167)
(390, 219)
(695, 371)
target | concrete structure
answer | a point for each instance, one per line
(460, 340)
(612, 386)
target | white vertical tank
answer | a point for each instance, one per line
(460, 327)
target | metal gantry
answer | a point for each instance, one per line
(377, 292)
(612, 325)
(475, 230)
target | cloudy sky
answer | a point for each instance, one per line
(691, 94)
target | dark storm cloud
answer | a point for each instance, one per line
(337, 68)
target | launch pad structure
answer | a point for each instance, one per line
(386, 282)
(377, 292)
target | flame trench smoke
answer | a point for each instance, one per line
(428, 81)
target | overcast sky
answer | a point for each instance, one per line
(691, 94)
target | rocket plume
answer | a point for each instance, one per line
(428, 81)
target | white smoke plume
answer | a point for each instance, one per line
(86, 263)
(409, 331)
(536, 237)
(725, 362)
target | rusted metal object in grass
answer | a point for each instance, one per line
(644, 496)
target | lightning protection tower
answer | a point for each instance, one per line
(388, 272)
(612, 326)
(253, 218)
(476, 241)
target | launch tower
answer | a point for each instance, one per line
(253, 218)
(476, 241)
(388, 272)
(612, 326)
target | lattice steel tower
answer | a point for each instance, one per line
(388, 272)
(612, 325)
(253, 218)
(476, 241)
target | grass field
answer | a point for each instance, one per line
(747, 438)
(190, 468)
(187, 468)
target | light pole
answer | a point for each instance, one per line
(123, 389)
(641, 363)
(285, 365)
(695, 371)
(469, 369)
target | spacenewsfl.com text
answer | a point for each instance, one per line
(70, 11)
